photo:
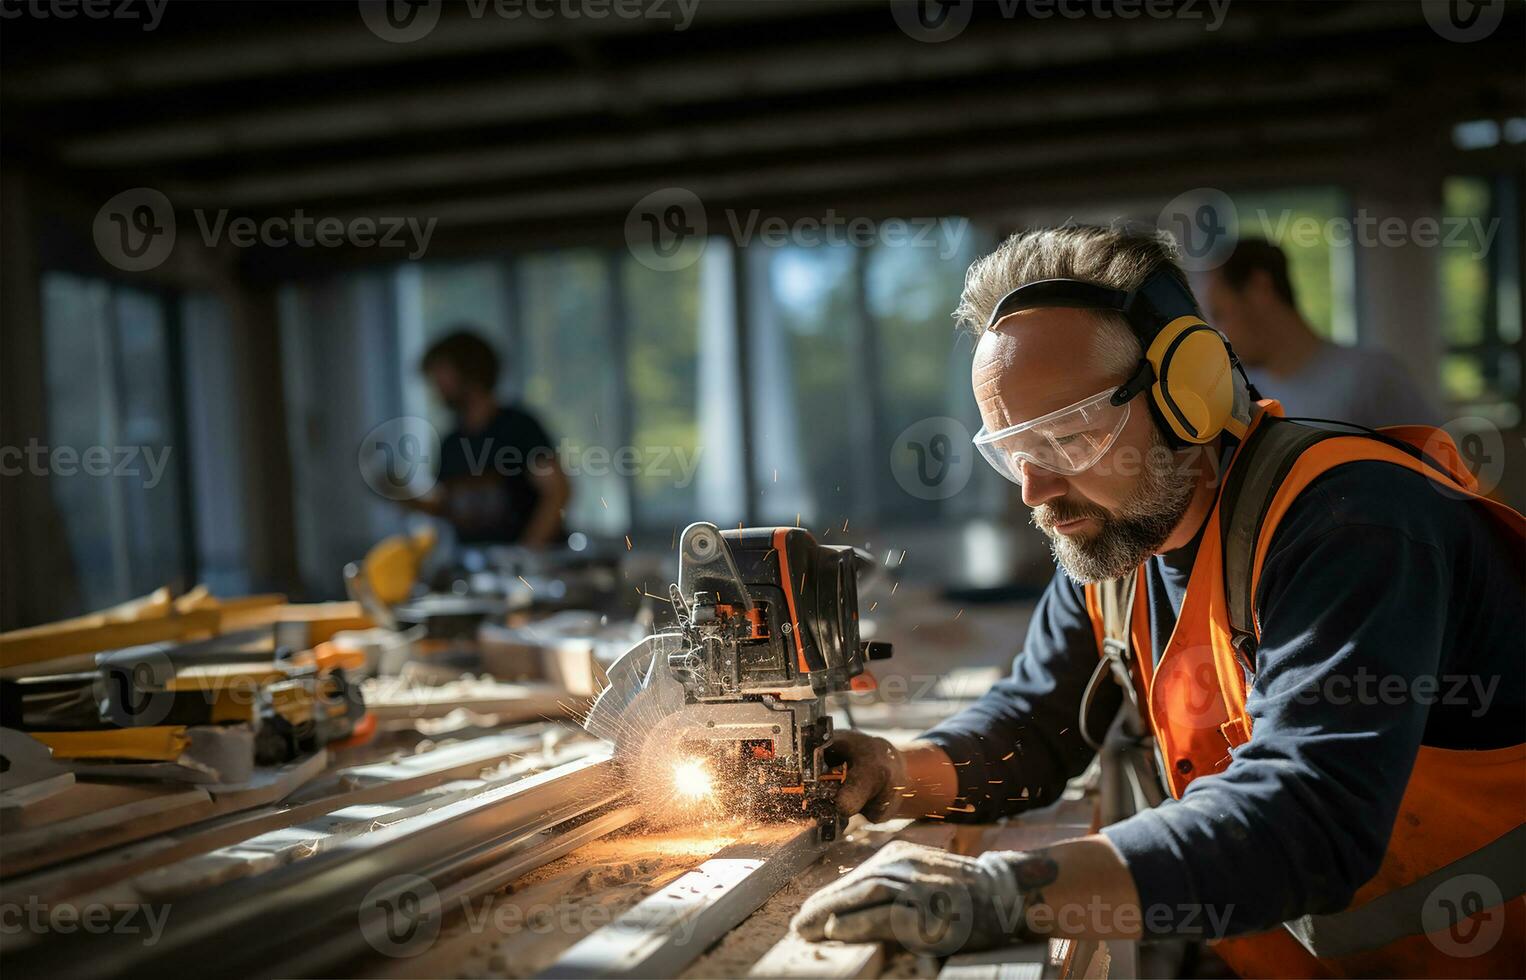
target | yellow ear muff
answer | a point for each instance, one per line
(1194, 390)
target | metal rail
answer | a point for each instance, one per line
(362, 898)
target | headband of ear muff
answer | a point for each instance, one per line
(1187, 365)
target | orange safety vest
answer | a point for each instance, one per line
(1448, 898)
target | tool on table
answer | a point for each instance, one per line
(732, 702)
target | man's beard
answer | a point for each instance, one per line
(1130, 535)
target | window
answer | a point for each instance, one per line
(681, 376)
(113, 457)
(572, 378)
(923, 365)
(850, 347)
(1480, 298)
(811, 438)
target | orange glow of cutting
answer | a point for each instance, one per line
(692, 780)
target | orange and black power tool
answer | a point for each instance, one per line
(767, 628)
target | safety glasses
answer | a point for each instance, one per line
(1068, 441)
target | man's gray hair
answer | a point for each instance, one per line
(1119, 257)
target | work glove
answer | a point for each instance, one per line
(876, 775)
(928, 900)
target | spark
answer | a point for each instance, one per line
(627, 542)
(958, 614)
(527, 583)
(692, 780)
(604, 504)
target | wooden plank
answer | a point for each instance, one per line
(52, 641)
(668, 930)
(158, 743)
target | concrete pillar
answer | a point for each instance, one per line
(1397, 280)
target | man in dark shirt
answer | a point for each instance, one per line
(1391, 617)
(499, 478)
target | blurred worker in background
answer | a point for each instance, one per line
(500, 481)
(1250, 300)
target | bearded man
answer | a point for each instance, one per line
(1320, 627)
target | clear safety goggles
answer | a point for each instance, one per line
(1068, 441)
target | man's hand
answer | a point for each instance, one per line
(876, 775)
(928, 900)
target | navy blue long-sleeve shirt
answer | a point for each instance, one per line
(1375, 582)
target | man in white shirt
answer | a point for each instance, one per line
(1250, 298)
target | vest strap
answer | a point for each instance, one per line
(1261, 465)
(1115, 599)
(1408, 911)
